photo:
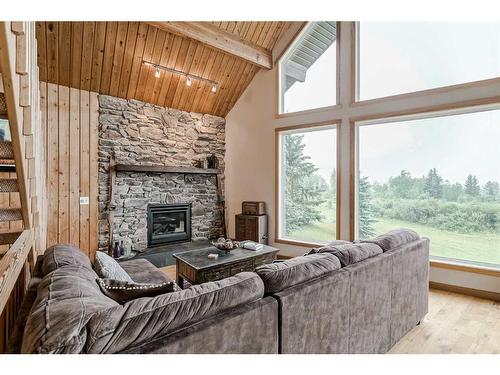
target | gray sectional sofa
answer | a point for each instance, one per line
(341, 298)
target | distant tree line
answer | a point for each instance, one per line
(431, 200)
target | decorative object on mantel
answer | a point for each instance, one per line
(226, 245)
(213, 162)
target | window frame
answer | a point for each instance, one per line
(280, 74)
(437, 261)
(348, 111)
(278, 209)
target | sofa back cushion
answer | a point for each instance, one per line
(67, 298)
(62, 255)
(333, 243)
(394, 239)
(143, 319)
(281, 275)
(350, 253)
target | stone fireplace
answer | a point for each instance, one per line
(146, 159)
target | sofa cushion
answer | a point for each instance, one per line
(108, 268)
(123, 291)
(282, 275)
(142, 319)
(333, 243)
(143, 271)
(350, 253)
(394, 238)
(67, 298)
(62, 255)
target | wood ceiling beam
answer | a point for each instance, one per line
(219, 39)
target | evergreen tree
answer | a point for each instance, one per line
(302, 196)
(472, 186)
(491, 189)
(433, 184)
(366, 209)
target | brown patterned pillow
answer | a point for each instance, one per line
(123, 291)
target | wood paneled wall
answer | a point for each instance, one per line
(71, 117)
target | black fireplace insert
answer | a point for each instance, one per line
(169, 223)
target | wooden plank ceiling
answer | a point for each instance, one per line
(107, 57)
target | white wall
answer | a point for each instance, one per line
(250, 143)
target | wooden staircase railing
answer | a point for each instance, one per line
(20, 230)
(15, 272)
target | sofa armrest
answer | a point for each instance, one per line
(143, 319)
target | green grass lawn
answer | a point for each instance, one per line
(318, 232)
(477, 247)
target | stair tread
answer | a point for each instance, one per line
(9, 237)
(6, 151)
(8, 185)
(10, 214)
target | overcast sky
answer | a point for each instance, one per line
(418, 56)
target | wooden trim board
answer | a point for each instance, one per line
(164, 169)
(467, 291)
(451, 265)
(219, 39)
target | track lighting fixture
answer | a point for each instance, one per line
(189, 77)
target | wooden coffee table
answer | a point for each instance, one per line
(195, 267)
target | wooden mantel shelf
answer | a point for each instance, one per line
(163, 169)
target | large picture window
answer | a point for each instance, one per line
(396, 57)
(308, 70)
(307, 185)
(439, 176)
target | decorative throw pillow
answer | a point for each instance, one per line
(108, 268)
(123, 291)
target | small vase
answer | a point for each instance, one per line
(116, 251)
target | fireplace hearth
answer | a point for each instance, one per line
(169, 223)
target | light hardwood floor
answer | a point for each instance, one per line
(455, 323)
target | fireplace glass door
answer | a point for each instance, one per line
(169, 224)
